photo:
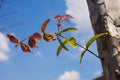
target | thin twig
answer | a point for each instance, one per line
(88, 50)
(2, 15)
(84, 48)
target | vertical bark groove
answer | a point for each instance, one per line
(105, 17)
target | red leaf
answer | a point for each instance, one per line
(65, 17)
(69, 16)
(48, 37)
(12, 38)
(37, 36)
(32, 42)
(44, 25)
(58, 17)
(25, 47)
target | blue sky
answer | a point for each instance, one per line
(45, 65)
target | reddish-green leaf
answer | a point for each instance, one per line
(44, 25)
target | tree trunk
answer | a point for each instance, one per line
(105, 17)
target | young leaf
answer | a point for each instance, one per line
(62, 45)
(58, 17)
(67, 30)
(81, 56)
(72, 42)
(44, 25)
(94, 38)
(48, 37)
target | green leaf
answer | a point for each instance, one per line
(81, 56)
(68, 30)
(72, 42)
(94, 38)
(90, 42)
(44, 25)
(62, 45)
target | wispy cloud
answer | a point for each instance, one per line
(4, 48)
(39, 54)
(73, 75)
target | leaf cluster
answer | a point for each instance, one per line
(59, 36)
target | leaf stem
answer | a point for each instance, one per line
(21, 41)
(88, 50)
(83, 48)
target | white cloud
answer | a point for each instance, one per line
(3, 43)
(4, 48)
(73, 75)
(3, 56)
(78, 9)
(97, 73)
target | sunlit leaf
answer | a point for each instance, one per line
(72, 42)
(81, 56)
(44, 25)
(62, 45)
(94, 38)
(90, 42)
(68, 30)
(48, 37)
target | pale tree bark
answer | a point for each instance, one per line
(105, 17)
